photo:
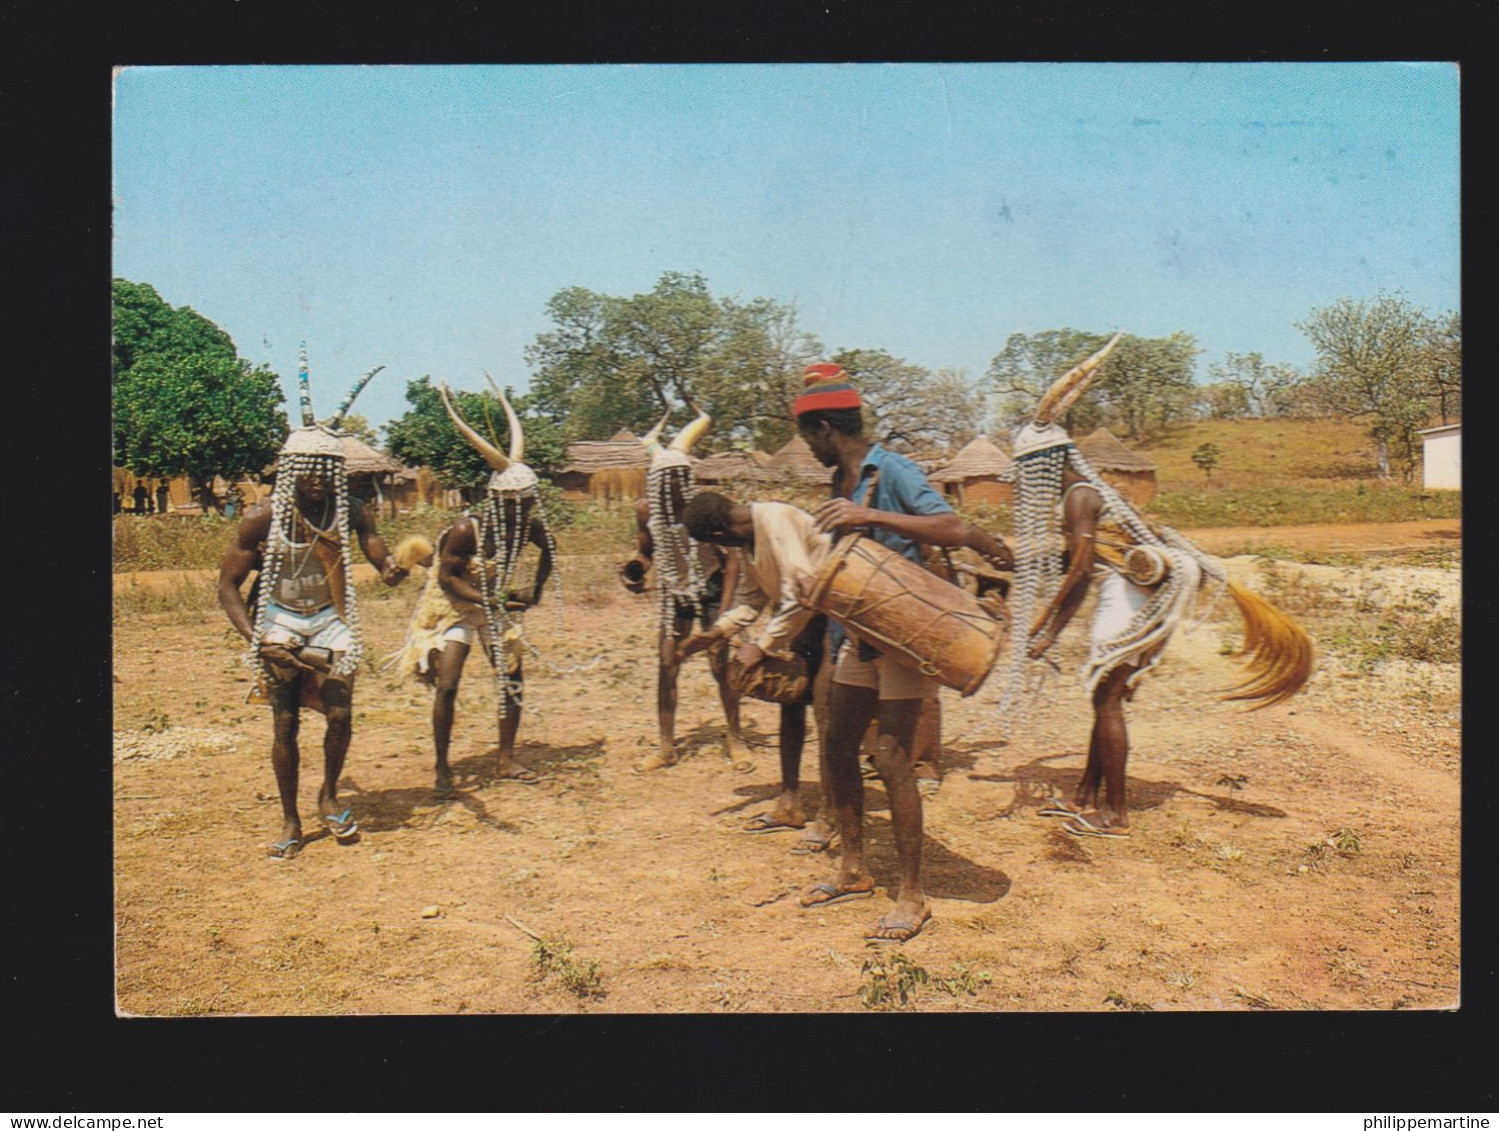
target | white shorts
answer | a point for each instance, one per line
(893, 679)
(1118, 601)
(322, 629)
(514, 649)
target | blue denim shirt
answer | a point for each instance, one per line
(902, 489)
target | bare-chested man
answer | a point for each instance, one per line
(691, 580)
(470, 596)
(304, 633)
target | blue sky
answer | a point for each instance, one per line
(421, 217)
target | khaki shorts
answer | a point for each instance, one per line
(893, 679)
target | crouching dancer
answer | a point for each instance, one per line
(692, 578)
(782, 549)
(471, 594)
(305, 640)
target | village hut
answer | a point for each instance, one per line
(1129, 472)
(796, 459)
(975, 474)
(734, 467)
(611, 470)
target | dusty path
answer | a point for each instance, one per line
(1305, 856)
(1333, 537)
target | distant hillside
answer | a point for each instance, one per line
(1265, 453)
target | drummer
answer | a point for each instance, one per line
(902, 511)
(781, 547)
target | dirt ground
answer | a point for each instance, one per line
(1301, 857)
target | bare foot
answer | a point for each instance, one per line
(655, 762)
(512, 771)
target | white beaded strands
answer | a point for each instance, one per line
(673, 544)
(311, 450)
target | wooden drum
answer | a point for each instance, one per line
(907, 612)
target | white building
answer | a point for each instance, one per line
(1442, 457)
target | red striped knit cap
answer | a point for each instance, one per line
(827, 386)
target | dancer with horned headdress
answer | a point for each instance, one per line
(692, 578)
(1147, 579)
(304, 632)
(473, 593)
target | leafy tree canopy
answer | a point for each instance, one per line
(145, 325)
(1144, 385)
(614, 362)
(361, 429)
(426, 435)
(198, 416)
(908, 407)
(1387, 360)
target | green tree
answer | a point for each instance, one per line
(1144, 385)
(425, 436)
(611, 362)
(1266, 390)
(1147, 384)
(144, 325)
(1206, 457)
(1372, 362)
(197, 416)
(361, 429)
(1444, 364)
(1022, 372)
(908, 407)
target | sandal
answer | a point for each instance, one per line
(810, 843)
(1081, 826)
(285, 849)
(343, 826)
(834, 894)
(766, 823)
(906, 928)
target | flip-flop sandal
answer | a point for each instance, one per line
(810, 844)
(343, 825)
(520, 777)
(768, 824)
(285, 849)
(913, 926)
(835, 894)
(1081, 826)
(928, 787)
(1058, 809)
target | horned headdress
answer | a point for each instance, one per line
(679, 573)
(314, 449)
(501, 531)
(1278, 652)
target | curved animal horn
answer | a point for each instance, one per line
(304, 391)
(492, 455)
(692, 433)
(651, 437)
(517, 437)
(1070, 385)
(348, 401)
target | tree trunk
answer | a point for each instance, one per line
(1382, 458)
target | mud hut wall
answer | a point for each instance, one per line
(1137, 487)
(617, 484)
(985, 489)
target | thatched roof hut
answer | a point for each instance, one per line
(743, 467)
(973, 475)
(612, 470)
(795, 458)
(1131, 473)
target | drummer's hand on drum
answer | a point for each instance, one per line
(749, 655)
(839, 514)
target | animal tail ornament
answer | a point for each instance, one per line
(1277, 652)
